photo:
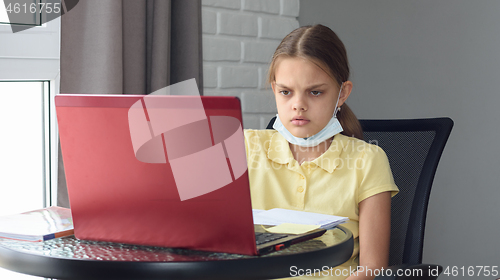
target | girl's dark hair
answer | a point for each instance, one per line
(320, 45)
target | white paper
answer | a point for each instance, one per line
(278, 216)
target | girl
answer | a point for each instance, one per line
(313, 160)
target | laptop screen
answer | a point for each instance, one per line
(157, 170)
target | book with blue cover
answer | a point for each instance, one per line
(37, 225)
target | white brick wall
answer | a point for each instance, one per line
(239, 39)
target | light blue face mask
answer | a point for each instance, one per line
(332, 128)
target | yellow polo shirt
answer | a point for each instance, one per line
(350, 171)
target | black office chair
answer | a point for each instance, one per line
(414, 148)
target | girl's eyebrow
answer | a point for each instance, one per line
(281, 85)
(316, 86)
(309, 88)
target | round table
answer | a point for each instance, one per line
(70, 258)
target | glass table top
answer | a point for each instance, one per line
(71, 248)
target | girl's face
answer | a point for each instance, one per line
(305, 96)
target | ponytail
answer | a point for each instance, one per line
(350, 123)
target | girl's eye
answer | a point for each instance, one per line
(315, 93)
(284, 92)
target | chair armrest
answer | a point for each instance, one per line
(411, 272)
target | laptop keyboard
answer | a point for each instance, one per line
(264, 237)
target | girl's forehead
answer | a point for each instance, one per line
(299, 69)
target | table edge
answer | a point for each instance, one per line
(268, 266)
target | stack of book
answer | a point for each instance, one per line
(37, 225)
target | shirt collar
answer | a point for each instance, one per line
(279, 152)
(330, 159)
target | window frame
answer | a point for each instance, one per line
(40, 63)
(38, 16)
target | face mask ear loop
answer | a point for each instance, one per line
(338, 98)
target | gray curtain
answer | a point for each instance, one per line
(128, 47)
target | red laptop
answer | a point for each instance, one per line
(160, 170)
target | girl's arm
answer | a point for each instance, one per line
(374, 234)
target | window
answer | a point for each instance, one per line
(29, 80)
(25, 135)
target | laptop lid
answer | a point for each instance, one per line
(157, 170)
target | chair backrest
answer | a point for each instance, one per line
(413, 148)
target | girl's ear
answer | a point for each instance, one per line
(346, 91)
